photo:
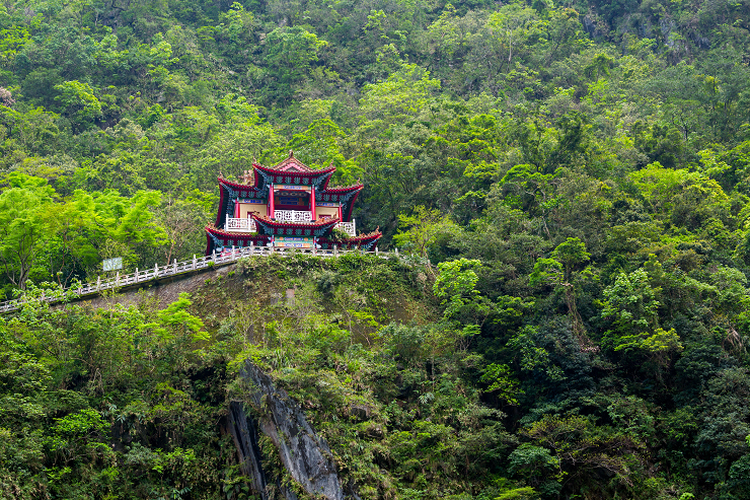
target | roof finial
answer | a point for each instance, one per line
(291, 154)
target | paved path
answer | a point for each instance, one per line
(140, 278)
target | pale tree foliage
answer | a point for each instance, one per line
(456, 284)
(632, 306)
(290, 53)
(23, 227)
(79, 102)
(447, 40)
(512, 26)
(234, 141)
(499, 45)
(6, 98)
(73, 228)
(423, 228)
(443, 37)
(44, 237)
(404, 95)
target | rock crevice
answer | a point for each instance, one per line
(271, 411)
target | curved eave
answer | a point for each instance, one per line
(366, 240)
(323, 224)
(347, 206)
(233, 235)
(287, 173)
(342, 190)
(363, 238)
(214, 232)
(236, 186)
(225, 198)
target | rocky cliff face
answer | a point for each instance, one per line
(304, 455)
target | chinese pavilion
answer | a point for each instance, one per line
(286, 206)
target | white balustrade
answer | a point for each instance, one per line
(188, 266)
(292, 216)
(349, 228)
(235, 225)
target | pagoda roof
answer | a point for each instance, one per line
(293, 171)
(298, 228)
(285, 173)
(343, 190)
(365, 237)
(315, 178)
(308, 172)
(226, 187)
(259, 184)
(215, 236)
(233, 235)
(237, 186)
(318, 224)
(292, 164)
(363, 240)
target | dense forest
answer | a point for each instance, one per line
(571, 180)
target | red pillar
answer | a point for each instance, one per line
(341, 217)
(312, 202)
(237, 208)
(270, 201)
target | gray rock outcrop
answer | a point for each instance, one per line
(305, 455)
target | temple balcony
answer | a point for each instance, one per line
(292, 216)
(234, 225)
(297, 217)
(349, 228)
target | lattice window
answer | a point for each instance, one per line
(240, 225)
(292, 216)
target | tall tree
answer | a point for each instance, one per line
(24, 229)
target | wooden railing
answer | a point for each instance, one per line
(177, 268)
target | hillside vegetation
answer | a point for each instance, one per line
(572, 181)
